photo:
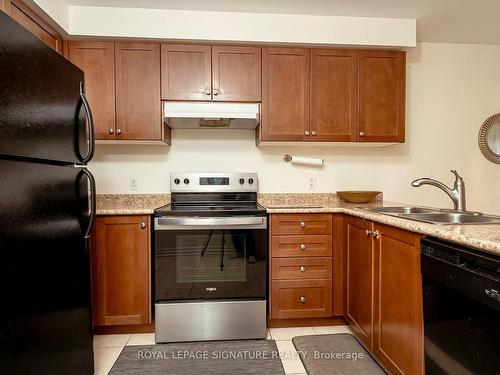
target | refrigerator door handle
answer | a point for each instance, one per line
(92, 201)
(90, 124)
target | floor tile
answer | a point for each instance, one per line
(110, 341)
(142, 339)
(293, 366)
(104, 359)
(332, 329)
(290, 333)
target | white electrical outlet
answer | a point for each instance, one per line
(312, 183)
(133, 184)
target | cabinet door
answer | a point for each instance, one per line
(285, 94)
(334, 81)
(360, 274)
(121, 271)
(33, 22)
(398, 329)
(382, 96)
(97, 60)
(138, 101)
(236, 74)
(186, 72)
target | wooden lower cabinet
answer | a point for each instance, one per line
(121, 271)
(301, 280)
(360, 275)
(398, 325)
(384, 293)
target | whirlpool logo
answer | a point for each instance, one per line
(211, 289)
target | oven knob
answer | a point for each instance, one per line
(186, 181)
(250, 181)
(177, 181)
(242, 181)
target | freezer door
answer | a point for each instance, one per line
(45, 310)
(42, 104)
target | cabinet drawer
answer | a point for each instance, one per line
(301, 268)
(301, 299)
(301, 246)
(301, 224)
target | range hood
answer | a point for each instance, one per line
(193, 115)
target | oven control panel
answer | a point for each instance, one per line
(190, 182)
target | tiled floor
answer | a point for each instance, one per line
(107, 348)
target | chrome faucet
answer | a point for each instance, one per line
(457, 194)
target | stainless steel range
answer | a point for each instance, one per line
(211, 259)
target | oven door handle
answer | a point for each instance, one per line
(171, 223)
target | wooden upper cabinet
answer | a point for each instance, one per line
(121, 271)
(97, 60)
(398, 328)
(334, 80)
(33, 22)
(360, 278)
(285, 94)
(236, 74)
(138, 99)
(382, 96)
(186, 72)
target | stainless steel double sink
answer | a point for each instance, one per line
(436, 215)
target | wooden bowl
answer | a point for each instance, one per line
(358, 196)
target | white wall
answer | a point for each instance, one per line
(57, 10)
(451, 90)
(243, 27)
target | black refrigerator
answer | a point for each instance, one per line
(47, 206)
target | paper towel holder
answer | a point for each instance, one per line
(302, 160)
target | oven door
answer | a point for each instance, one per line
(203, 258)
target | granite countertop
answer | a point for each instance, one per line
(130, 204)
(485, 237)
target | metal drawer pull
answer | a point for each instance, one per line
(376, 234)
(118, 131)
(302, 224)
(302, 299)
(369, 233)
(302, 269)
(302, 246)
(111, 131)
(143, 225)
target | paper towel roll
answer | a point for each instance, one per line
(304, 161)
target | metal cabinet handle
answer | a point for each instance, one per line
(307, 132)
(118, 131)
(368, 233)
(207, 91)
(302, 299)
(302, 246)
(216, 92)
(90, 124)
(302, 224)
(376, 234)
(302, 269)
(143, 225)
(111, 131)
(314, 133)
(361, 134)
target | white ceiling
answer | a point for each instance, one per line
(452, 21)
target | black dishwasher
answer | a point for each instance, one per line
(461, 289)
